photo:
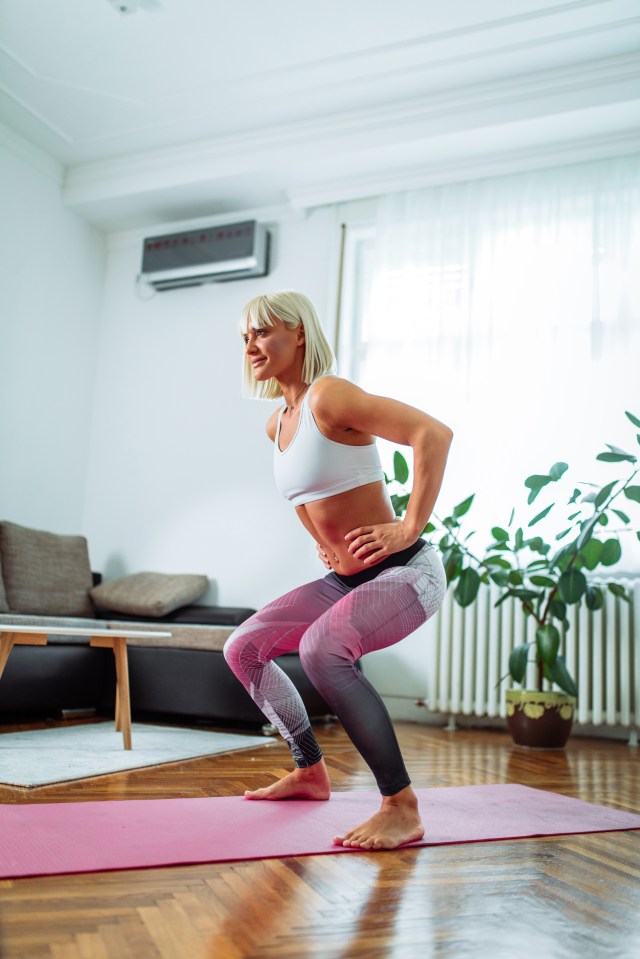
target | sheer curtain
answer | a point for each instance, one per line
(510, 309)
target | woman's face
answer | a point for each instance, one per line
(273, 350)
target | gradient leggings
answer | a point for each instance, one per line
(332, 625)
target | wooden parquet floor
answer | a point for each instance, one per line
(575, 896)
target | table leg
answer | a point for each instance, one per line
(6, 645)
(123, 702)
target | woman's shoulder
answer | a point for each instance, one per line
(330, 386)
(332, 398)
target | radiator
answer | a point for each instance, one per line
(469, 650)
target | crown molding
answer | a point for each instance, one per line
(209, 160)
(473, 168)
(30, 154)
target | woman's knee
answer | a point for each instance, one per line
(232, 647)
(322, 654)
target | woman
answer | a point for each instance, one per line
(384, 582)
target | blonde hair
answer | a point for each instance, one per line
(292, 309)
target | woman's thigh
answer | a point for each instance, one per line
(379, 613)
(279, 626)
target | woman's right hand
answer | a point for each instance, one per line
(324, 556)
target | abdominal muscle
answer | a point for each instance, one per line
(329, 520)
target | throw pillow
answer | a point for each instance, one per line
(44, 573)
(149, 594)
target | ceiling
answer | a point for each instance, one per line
(183, 109)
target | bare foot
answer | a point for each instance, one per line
(397, 821)
(311, 782)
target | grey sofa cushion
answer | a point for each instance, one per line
(149, 594)
(4, 608)
(45, 573)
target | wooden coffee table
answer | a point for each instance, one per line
(115, 639)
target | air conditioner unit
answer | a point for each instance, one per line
(208, 255)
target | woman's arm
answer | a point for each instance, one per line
(342, 406)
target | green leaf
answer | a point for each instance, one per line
(537, 545)
(534, 484)
(618, 590)
(498, 561)
(591, 553)
(429, 528)
(586, 532)
(499, 534)
(559, 674)
(594, 598)
(500, 577)
(399, 503)
(538, 564)
(565, 532)
(515, 578)
(633, 493)
(524, 593)
(603, 519)
(558, 609)
(463, 507)
(603, 494)
(400, 468)
(622, 516)
(513, 513)
(545, 581)
(616, 458)
(541, 515)
(572, 586)
(467, 588)
(634, 419)
(576, 494)
(611, 552)
(616, 449)
(547, 643)
(562, 556)
(557, 470)
(518, 661)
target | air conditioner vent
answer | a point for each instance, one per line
(213, 254)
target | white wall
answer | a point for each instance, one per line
(180, 476)
(51, 275)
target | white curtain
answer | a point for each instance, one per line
(510, 309)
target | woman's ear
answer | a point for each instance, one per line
(301, 337)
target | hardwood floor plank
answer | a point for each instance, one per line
(566, 896)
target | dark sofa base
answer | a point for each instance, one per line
(188, 683)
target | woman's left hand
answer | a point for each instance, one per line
(373, 543)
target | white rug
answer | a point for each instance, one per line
(41, 756)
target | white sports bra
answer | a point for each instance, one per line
(313, 467)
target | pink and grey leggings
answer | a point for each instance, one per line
(332, 622)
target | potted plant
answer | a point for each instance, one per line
(544, 577)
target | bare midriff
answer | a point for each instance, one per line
(329, 520)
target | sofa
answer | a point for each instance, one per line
(46, 580)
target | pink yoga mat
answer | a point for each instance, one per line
(53, 838)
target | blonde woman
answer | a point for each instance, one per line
(385, 581)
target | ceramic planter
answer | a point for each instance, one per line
(539, 720)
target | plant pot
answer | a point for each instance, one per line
(539, 720)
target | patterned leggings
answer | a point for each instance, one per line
(332, 625)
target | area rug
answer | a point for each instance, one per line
(54, 838)
(40, 756)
